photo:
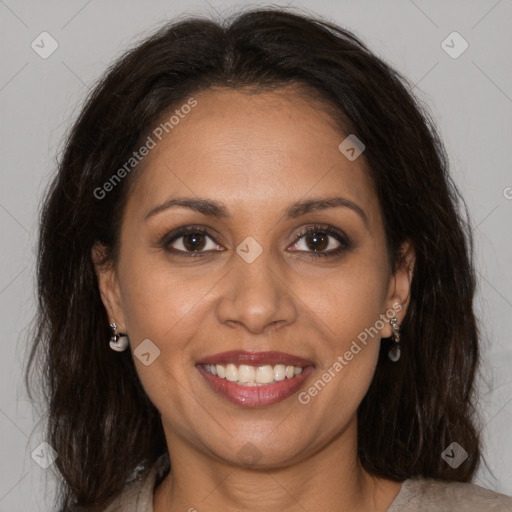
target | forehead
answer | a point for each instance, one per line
(253, 150)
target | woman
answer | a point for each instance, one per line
(257, 219)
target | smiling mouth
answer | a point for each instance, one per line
(255, 379)
(250, 368)
(256, 394)
(247, 375)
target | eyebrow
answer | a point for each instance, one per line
(218, 210)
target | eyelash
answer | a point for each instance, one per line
(314, 229)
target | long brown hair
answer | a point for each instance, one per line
(100, 421)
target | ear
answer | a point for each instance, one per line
(109, 286)
(399, 292)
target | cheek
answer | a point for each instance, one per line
(166, 306)
(157, 299)
(349, 356)
(161, 306)
(348, 300)
(347, 310)
(351, 340)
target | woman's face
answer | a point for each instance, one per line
(254, 282)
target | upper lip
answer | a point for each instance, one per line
(256, 358)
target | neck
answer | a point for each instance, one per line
(330, 479)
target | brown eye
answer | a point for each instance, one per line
(317, 241)
(321, 241)
(190, 241)
(194, 241)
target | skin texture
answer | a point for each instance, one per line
(257, 154)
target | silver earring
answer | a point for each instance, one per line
(394, 351)
(118, 341)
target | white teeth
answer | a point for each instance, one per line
(265, 374)
(247, 375)
(279, 372)
(231, 373)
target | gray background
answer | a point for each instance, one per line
(470, 98)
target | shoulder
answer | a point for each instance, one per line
(428, 495)
(128, 500)
(137, 495)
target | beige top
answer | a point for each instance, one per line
(415, 495)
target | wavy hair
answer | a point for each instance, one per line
(100, 421)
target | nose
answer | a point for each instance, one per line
(256, 296)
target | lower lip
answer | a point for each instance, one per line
(255, 396)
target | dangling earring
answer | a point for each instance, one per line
(118, 342)
(394, 351)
